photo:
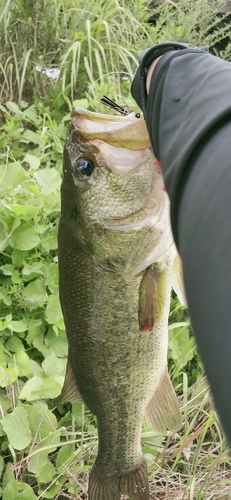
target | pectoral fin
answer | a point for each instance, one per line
(178, 281)
(152, 297)
(70, 392)
(163, 411)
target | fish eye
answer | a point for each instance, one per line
(83, 168)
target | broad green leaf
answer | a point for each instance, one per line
(35, 368)
(18, 326)
(24, 210)
(14, 344)
(5, 402)
(16, 278)
(48, 179)
(35, 292)
(2, 357)
(30, 136)
(18, 490)
(37, 388)
(49, 239)
(178, 340)
(58, 343)
(54, 488)
(8, 475)
(4, 324)
(43, 424)
(32, 385)
(52, 277)
(4, 110)
(40, 345)
(53, 310)
(1, 466)
(17, 428)
(54, 366)
(24, 237)
(32, 160)
(50, 388)
(8, 376)
(38, 462)
(72, 488)
(3, 236)
(47, 473)
(6, 298)
(7, 269)
(6, 232)
(18, 257)
(35, 330)
(32, 115)
(12, 176)
(13, 107)
(41, 466)
(23, 363)
(35, 267)
(64, 457)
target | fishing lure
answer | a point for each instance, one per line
(113, 105)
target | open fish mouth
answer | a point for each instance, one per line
(114, 130)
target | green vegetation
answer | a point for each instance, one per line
(47, 448)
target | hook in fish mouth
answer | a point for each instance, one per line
(112, 104)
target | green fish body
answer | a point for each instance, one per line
(117, 264)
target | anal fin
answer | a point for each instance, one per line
(70, 392)
(163, 410)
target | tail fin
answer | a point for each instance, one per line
(134, 484)
(102, 488)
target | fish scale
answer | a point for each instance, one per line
(116, 318)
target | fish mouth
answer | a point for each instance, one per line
(120, 131)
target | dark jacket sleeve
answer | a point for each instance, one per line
(188, 117)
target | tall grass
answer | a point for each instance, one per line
(88, 41)
(95, 44)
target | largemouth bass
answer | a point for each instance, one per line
(117, 264)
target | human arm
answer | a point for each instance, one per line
(188, 116)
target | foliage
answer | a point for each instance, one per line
(86, 40)
(197, 23)
(47, 448)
